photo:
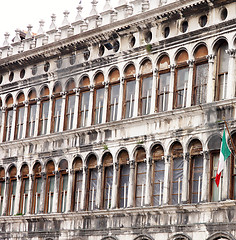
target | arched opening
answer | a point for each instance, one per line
(24, 192)
(9, 117)
(50, 181)
(37, 185)
(12, 191)
(20, 112)
(31, 118)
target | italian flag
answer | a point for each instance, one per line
(224, 154)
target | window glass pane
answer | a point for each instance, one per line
(140, 184)
(57, 114)
(146, 95)
(70, 111)
(51, 184)
(99, 105)
(84, 108)
(181, 87)
(32, 116)
(92, 188)
(78, 190)
(177, 180)
(129, 98)
(108, 186)
(44, 117)
(223, 85)
(64, 192)
(9, 124)
(114, 99)
(224, 59)
(37, 194)
(164, 81)
(20, 122)
(124, 184)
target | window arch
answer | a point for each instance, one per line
(20, 112)
(163, 66)
(37, 185)
(50, 181)
(176, 173)
(107, 180)
(2, 189)
(113, 94)
(158, 170)
(12, 191)
(31, 118)
(99, 91)
(124, 170)
(24, 192)
(141, 171)
(70, 105)
(91, 182)
(44, 109)
(9, 118)
(200, 75)
(145, 90)
(77, 184)
(84, 101)
(63, 185)
(129, 91)
(181, 79)
(196, 171)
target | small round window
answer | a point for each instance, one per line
(22, 73)
(166, 32)
(223, 13)
(148, 36)
(59, 62)
(46, 66)
(116, 46)
(184, 26)
(86, 54)
(101, 50)
(132, 41)
(11, 76)
(72, 59)
(203, 21)
(34, 69)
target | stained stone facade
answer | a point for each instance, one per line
(110, 126)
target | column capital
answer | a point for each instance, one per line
(206, 155)
(190, 63)
(211, 58)
(122, 80)
(14, 107)
(149, 160)
(106, 84)
(85, 169)
(26, 102)
(172, 67)
(99, 167)
(43, 174)
(132, 163)
(3, 109)
(38, 100)
(168, 157)
(63, 94)
(91, 87)
(51, 96)
(116, 166)
(7, 180)
(138, 77)
(231, 52)
(186, 156)
(77, 91)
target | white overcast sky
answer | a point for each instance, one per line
(20, 13)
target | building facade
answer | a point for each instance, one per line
(110, 126)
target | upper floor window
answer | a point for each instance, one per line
(63, 185)
(20, 112)
(24, 192)
(129, 91)
(31, 113)
(50, 181)
(12, 191)
(2, 189)
(145, 93)
(84, 101)
(200, 75)
(163, 67)
(70, 105)
(113, 95)
(9, 118)
(37, 185)
(181, 79)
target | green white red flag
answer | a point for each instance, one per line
(224, 154)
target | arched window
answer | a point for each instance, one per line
(113, 95)
(98, 98)
(222, 70)
(107, 180)
(145, 92)
(31, 113)
(129, 91)
(181, 79)
(141, 170)
(163, 67)
(63, 185)
(37, 185)
(200, 76)
(2, 188)
(50, 181)
(20, 112)
(44, 109)
(77, 184)
(56, 108)
(24, 192)
(214, 147)
(12, 191)
(124, 169)
(9, 118)
(84, 102)
(91, 182)
(70, 105)
(177, 173)
(196, 170)
(158, 168)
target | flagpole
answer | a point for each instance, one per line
(229, 135)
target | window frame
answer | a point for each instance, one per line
(47, 192)
(62, 174)
(67, 114)
(81, 111)
(19, 106)
(56, 97)
(6, 127)
(31, 103)
(22, 194)
(40, 125)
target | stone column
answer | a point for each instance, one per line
(190, 84)
(131, 184)
(50, 114)
(42, 193)
(120, 104)
(3, 123)
(105, 102)
(166, 186)
(30, 195)
(63, 109)
(185, 178)
(230, 93)
(25, 119)
(211, 79)
(84, 193)
(90, 113)
(171, 91)
(5, 198)
(154, 88)
(37, 118)
(69, 191)
(114, 186)
(76, 110)
(99, 188)
(13, 126)
(56, 192)
(136, 97)
(205, 177)
(148, 189)
(17, 196)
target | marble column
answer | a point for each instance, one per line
(136, 97)
(114, 186)
(42, 193)
(63, 109)
(120, 104)
(105, 101)
(69, 191)
(18, 195)
(3, 123)
(50, 114)
(99, 188)
(166, 186)
(148, 189)
(90, 113)
(211, 79)
(25, 119)
(154, 91)
(37, 117)
(5, 198)
(230, 93)
(13, 126)
(171, 92)
(30, 195)
(131, 186)
(56, 192)
(205, 177)
(76, 109)
(84, 192)
(185, 178)
(190, 84)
